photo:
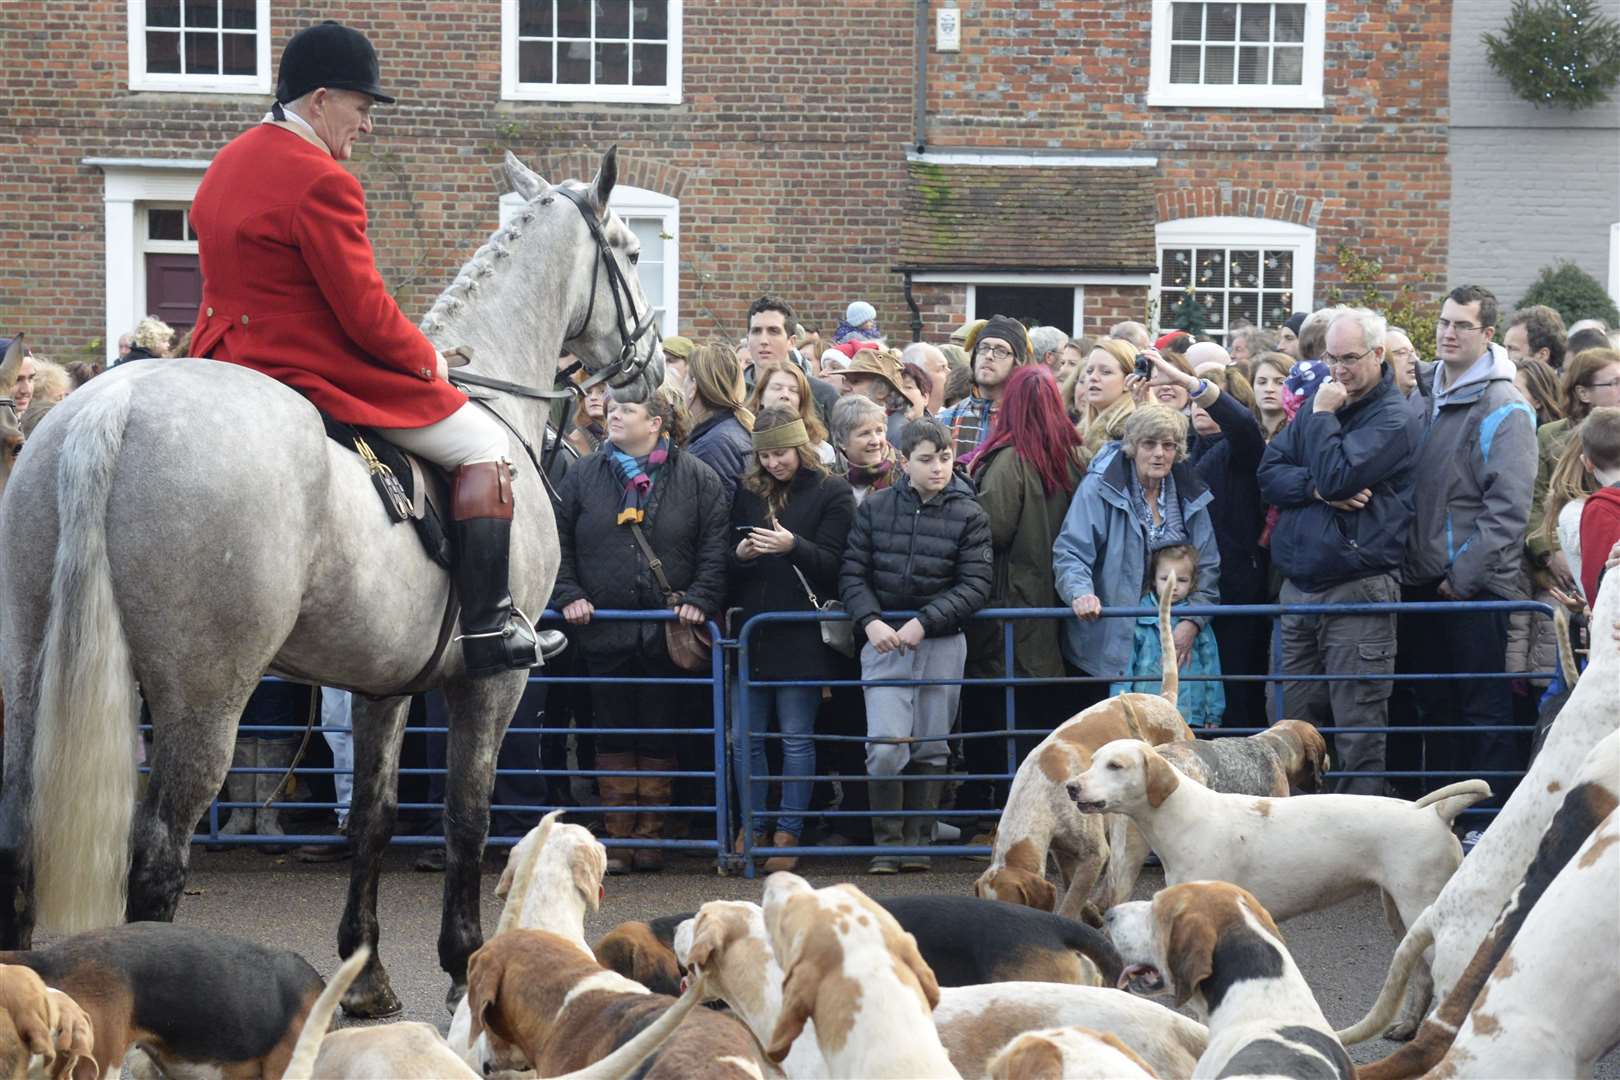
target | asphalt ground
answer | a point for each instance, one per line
(1343, 951)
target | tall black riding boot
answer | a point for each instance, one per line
(495, 637)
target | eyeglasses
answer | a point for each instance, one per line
(1603, 385)
(1346, 360)
(1402, 353)
(995, 352)
(1442, 325)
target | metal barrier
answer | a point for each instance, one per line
(715, 681)
(748, 814)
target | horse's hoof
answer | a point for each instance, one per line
(458, 990)
(371, 999)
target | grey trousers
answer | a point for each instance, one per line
(920, 712)
(1346, 646)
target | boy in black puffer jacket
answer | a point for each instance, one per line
(924, 546)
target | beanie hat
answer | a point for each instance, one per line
(860, 312)
(1009, 330)
(1295, 321)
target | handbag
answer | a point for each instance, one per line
(689, 646)
(837, 634)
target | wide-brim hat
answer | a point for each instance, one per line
(678, 346)
(873, 362)
(332, 55)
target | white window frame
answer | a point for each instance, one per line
(140, 79)
(1077, 282)
(130, 184)
(1614, 263)
(1162, 93)
(633, 202)
(513, 90)
(1239, 232)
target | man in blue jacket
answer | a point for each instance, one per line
(1342, 477)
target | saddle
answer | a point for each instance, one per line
(411, 489)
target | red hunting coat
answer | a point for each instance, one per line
(291, 288)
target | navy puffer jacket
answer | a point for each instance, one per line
(908, 555)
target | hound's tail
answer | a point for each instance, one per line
(301, 1066)
(626, 1060)
(1566, 651)
(515, 879)
(1170, 676)
(1453, 799)
(84, 726)
(1419, 936)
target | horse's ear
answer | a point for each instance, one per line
(525, 181)
(11, 364)
(606, 176)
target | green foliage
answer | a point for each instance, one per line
(1562, 53)
(1573, 293)
(1189, 315)
(1407, 309)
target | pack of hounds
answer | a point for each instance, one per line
(1508, 962)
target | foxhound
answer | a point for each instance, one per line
(726, 941)
(1068, 1053)
(1294, 855)
(1222, 955)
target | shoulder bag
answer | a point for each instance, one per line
(689, 646)
(837, 634)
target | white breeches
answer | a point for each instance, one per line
(466, 436)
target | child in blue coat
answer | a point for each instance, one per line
(1201, 703)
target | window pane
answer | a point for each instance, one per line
(574, 18)
(1277, 310)
(163, 12)
(202, 13)
(1177, 267)
(574, 62)
(612, 18)
(1211, 268)
(651, 65)
(651, 18)
(1244, 305)
(1218, 65)
(241, 54)
(239, 14)
(1214, 311)
(1290, 22)
(1245, 270)
(534, 61)
(1184, 63)
(202, 53)
(534, 18)
(1169, 300)
(162, 52)
(612, 65)
(1256, 22)
(165, 224)
(1289, 69)
(1279, 270)
(191, 234)
(1220, 23)
(1252, 61)
(1187, 22)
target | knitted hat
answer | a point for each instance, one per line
(860, 312)
(678, 347)
(1295, 321)
(1009, 330)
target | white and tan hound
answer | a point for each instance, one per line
(1068, 1053)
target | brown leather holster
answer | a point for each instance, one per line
(482, 490)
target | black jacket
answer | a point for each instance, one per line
(601, 561)
(907, 555)
(1227, 463)
(1371, 444)
(819, 512)
(724, 445)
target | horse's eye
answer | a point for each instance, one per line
(635, 257)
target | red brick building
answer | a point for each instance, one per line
(1068, 160)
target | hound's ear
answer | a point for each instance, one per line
(1029, 1057)
(504, 886)
(588, 865)
(524, 180)
(1038, 893)
(708, 941)
(1191, 956)
(798, 1005)
(606, 176)
(905, 950)
(1159, 775)
(485, 971)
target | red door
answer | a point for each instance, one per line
(174, 289)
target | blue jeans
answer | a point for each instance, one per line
(795, 709)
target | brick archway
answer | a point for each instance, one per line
(634, 169)
(1224, 199)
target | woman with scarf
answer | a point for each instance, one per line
(790, 521)
(639, 481)
(860, 432)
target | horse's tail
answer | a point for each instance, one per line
(84, 733)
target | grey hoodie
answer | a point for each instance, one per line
(1476, 470)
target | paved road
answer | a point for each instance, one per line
(1344, 951)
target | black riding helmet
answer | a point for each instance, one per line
(332, 55)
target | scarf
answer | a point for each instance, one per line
(1170, 530)
(874, 476)
(638, 475)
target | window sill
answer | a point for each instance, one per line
(1212, 97)
(199, 85)
(595, 95)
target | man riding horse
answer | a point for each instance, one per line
(291, 289)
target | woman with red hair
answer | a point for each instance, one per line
(1027, 471)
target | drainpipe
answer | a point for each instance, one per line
(919, 108)
(916, 312)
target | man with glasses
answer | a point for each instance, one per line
(1002, 345)
(1402, 359)
(1475, 474)
(1341, 477)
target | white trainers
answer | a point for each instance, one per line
(1470, 838)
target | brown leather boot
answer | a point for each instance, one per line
(618, 791)
(652, 791)
(495, 636)
(782, 862)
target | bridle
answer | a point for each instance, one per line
(627, 367)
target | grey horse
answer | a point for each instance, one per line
(206, 530)
(11, 438)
